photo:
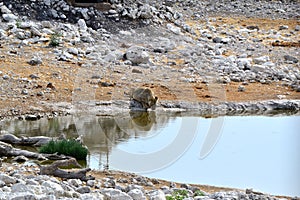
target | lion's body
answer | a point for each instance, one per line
(145, 97)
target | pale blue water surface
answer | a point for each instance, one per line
(256, 152)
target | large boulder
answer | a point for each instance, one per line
(137, 55)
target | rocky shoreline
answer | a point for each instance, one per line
(108, 108)
(112, 108)
(22, 181)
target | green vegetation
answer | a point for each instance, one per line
(178, 195)
(198, 193)
(55, 39)
(18, 23)
(66, 147)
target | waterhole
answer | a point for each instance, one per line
(259, 152)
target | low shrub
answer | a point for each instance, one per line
(55, 39)
(66, 147)
(198, 193)
(178, 195)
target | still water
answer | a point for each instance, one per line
(259, 152)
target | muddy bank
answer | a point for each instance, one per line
(114, 108)
(111, 108)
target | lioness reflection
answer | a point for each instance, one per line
(117, 130)
(143, 120)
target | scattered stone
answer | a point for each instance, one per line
(146, 11)
(40, 94)
(137, 194)
(21, 35)
(9, 17)
(279, 96)
(31, 117)
(52, 188)
(20, 159)
(91, 183)
(290, 59)
(111, 193)
(107, 84)
(241, 88)
(82, 25)
(5, 77)
(25, 92)
(261, 60)
(253, 27)
(137, 55)
(51, 86)
(7, 179)
(84, 189)
(137, 71)
(297, 88)
(4, 10)
(156, 195)
(226, 40)
(73, 51)
(34, 76)
(35, 61)
(259, 68)
(65, 56)
(217, 40)
(283, 27)
(174, 29)
(35, 31)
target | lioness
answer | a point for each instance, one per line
(143, 98)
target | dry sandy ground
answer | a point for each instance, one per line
(62, 74)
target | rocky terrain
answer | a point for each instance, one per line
(203, 55)
(24, 182)
(186, 51)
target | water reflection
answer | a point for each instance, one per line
(100, 134)
(143, 121)
(106, 133)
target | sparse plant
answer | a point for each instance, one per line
(55, 39)
(68, 147)
(198, 193)
(178, 195)
(18, 23)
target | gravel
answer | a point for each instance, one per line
(148, 43)
(22, 181)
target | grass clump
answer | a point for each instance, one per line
(66, 147)
(198, 193)
(18, 23)
(55, 39)
(178, 195)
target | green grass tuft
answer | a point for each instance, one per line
(178, 195)
(65, 147)
(55, 39)
(18, 23)
(198, 193)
